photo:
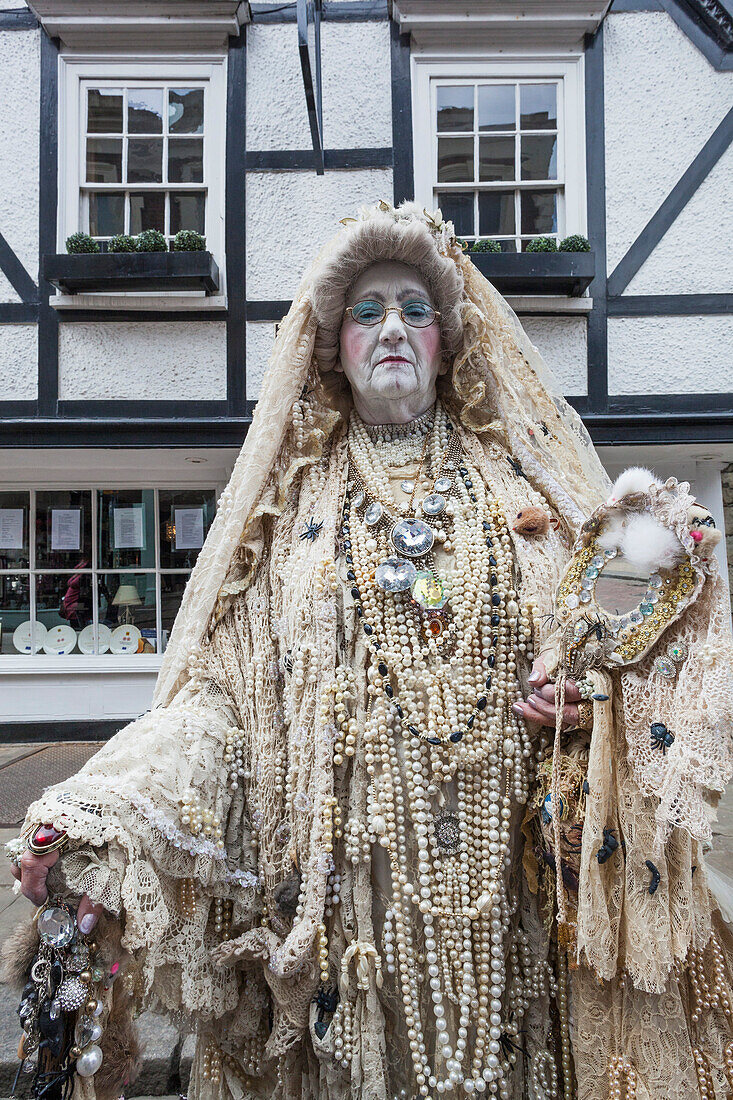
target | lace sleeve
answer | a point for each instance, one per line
(160, 832)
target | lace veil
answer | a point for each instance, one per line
(497, 380)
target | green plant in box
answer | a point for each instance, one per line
(575, 243)
(151, 240)
(81, 242)
(542, 244)
(121, 243)
(486, 244)
(188, 240)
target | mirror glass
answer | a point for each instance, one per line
(620, 586)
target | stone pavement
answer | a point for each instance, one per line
(24, 771)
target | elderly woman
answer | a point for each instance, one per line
(364, 843)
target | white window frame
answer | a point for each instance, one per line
(75, 73)
(568, 70)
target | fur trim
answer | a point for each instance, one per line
(121, 1062)
(402, 234)
(636, 479)
(648, 545)
(18, 953)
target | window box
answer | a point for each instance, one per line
(567, 273)
(132, 271)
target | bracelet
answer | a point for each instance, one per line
(585, 715)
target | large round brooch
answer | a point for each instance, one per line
(56, 927)
(447, 832)
(433, 505)
(412, 537)
(395, 575)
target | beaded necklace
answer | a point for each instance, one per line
(451, 910)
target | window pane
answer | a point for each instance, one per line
(106, 213)
(187, 210)
(145, 111)
(537, 106)
(186, 110)
(457, 207)
(145, 160)
(127, 608)
(104, 110)
(171, 593)
(185, 160)
(496, 213)
(496, 158)
(104, 160)
(147, 211)
(185, 518)
(64, 529)
(126, 528)
(63, 605)
(539, 212)
(455, 160)
(15, 609)
(14, 526)
(539, 157)
(455, 107)
(496, 107)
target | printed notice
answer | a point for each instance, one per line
(127, 528)
(66, 528)
(189, 523)
(11, 528)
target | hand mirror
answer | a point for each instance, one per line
(640, 560)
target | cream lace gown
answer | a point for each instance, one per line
(237, 858)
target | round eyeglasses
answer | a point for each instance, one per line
(415, 314)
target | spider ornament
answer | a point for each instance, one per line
(327, 1001)
(661, 737)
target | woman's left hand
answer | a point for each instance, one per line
(539, 707)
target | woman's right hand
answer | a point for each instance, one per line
(32, 875)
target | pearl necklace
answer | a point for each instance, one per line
(455, 722)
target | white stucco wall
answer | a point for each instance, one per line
(669, 354)
(290, 215)
(175, 360)
(694, 257)
(19, 121)
(7, 292)
(563, 344)
(260, 338)
(663, 100)
(18, 363)
(355, 70)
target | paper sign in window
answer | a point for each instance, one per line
(128, 531)
(189, 523)
(11, 528)
(66, 528)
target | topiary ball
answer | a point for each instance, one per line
(486, 244)
(188, 240)
(121, 243)
(151, 240)
(81, 242)
(542, 244)
(575, 243)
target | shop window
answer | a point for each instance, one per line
(94, 571)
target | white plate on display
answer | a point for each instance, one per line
(60, 640)
(86, 638)
(125, 639)
(22, 636)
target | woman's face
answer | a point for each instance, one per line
(391, 367)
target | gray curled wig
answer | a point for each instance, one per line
(402, 234)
